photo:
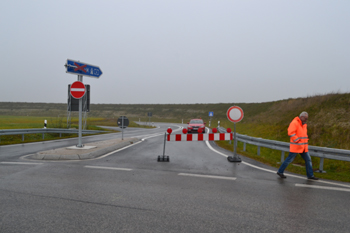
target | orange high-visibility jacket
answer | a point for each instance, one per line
(298, 136)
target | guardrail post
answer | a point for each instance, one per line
(258, 150)
(22, 137)
(282, 157)
(60, 135)
(43, 136)
(244, 146)
(320, 169)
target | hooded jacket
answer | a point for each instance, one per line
(297, 132)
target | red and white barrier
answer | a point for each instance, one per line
(200, 137)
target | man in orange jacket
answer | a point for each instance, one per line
(297, 132)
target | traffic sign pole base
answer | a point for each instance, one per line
(234, 159)
(163, 158)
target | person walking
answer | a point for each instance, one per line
(297, 132)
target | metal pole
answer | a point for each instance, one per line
(80, 78)
(122, 127)
(234, 158)
(235, 141)
(164, 144)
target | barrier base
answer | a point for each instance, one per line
(234, 159)
(320, 171)
(163, 158)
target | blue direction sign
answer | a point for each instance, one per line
(211, 114)
(80, 68)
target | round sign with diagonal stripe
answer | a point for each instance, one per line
(235, 114)
(77, 90)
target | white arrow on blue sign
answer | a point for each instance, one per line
(211, 114)
(80, 68)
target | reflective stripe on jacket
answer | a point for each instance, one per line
(298, 136)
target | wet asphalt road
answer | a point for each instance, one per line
(129, 191)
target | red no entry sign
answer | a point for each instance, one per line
(77, 89)
(235, 114)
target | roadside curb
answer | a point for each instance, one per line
(99, 149)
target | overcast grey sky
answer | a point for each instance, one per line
(183, 51)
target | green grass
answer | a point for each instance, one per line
(28, 122)
(21, 122)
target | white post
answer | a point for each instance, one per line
(45, 124)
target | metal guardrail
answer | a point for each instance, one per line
(321, 152)
(44, 131)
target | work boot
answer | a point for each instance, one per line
(282, 176)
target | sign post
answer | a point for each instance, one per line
(211, 114)
(234, 114)
(78, 89)
(149, 114)
(123, 122)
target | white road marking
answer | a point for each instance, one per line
(115, 151)
(208, 176)
(322, 187)
(109, 168)
(21, 163)
(147, 136)
(275, 171)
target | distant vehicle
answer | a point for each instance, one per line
(195, 124)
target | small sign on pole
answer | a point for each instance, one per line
(149, 114)
(123, 122)
(211, 114)
(80, 68)
(77, 89)
(234, 114)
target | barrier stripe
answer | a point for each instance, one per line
(211, 137)
(200, 137)
(222, 137)
(189, 137)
